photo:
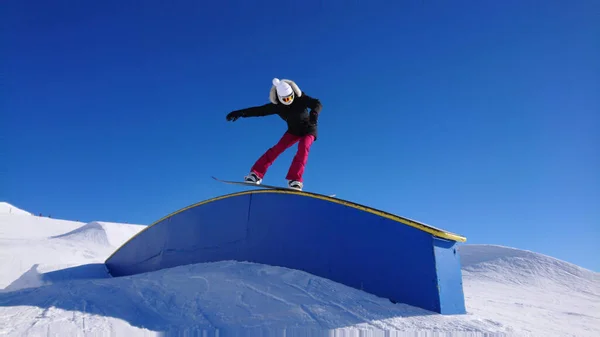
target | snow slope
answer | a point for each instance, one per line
(27, 240)
(6, 208)
(55, 284)
(539, 294)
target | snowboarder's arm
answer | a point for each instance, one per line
(315, 108)
(255, 111)
(314, 104)
(259, 111)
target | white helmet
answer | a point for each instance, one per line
(285, 93)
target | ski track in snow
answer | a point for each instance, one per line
(55, 284)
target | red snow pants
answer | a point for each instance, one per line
(298, 163)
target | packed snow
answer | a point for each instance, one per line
(55, 284)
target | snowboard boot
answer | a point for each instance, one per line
(296, 185)
(252, 178)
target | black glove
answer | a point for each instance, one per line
(314, 116)
(234, 115)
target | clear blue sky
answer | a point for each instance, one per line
(479, 117)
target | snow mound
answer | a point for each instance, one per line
(102, 233)
(233, 298)
(17, 227)
(6, 208)
(522, 267)
(541, 295)
(51, 245)
(92, 232)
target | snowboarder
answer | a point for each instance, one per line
(301, 113)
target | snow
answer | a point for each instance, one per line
(540, 294)
(6, 208)
(54, 283)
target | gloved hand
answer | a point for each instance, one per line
(234, 115)
(314, 116)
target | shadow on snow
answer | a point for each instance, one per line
(225, 296)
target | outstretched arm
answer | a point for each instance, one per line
(255, 111)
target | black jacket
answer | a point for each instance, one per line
(300, 120)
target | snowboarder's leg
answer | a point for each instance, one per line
(266, 160)
(296, 170)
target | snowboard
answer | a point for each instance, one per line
(244, 183)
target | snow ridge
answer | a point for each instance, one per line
(542, 295)
(6, 208)
(102, 233)
(92, 232)
(522, 267)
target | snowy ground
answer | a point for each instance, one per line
(56, 285)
